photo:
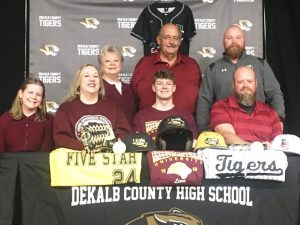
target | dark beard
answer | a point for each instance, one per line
(234, 52)
(246, 99)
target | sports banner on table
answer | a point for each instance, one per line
(28, 194)
(90, 168)
(223, 164)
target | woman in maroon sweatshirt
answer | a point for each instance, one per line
(111, 62)
(86, 118)
(27, 126)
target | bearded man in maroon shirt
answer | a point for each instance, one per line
(241, 118)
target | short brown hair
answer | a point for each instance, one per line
(164, 74)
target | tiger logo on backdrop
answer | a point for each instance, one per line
(175, 168)
(90, 22)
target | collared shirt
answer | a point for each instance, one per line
(125, 101)
(25, 134)
(217, 84)
(188, 80)
(147, 120)
(262, 124)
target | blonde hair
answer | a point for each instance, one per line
(75, 84)
(16, 110)
(110, 49)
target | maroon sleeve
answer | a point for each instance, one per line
(276, 125)
(2, 139)
(219, 114)
(63, 131)
(192, 125)
(122, 128)
(137, 123)
(48, 143)
(135, 77)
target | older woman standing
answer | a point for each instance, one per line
(111, 61)
(27, 126)
(86, 109)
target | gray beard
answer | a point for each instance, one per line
(246, 99)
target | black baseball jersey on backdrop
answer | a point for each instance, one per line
(154, 16)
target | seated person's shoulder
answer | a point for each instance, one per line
(142, 112)
(145, 59)
(49, 116)
(189, 60)
(5, 118)
(265, 107)
(5, 115)
(182, 112)
(221, 103)
(108, 103)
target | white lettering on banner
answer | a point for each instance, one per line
(232, 195)
(250, 50)
(50, 17)
(126, 23)
(50, 21)
(127, 19)
(86, 195)
(50, 80)
(83, 49)
(50, 77)
(87, 51)
(190, 193)
(205, 24)
(147, 193)
(90, 195)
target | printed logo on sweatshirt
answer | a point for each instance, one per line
(95, 131)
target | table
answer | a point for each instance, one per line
(26, 198)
